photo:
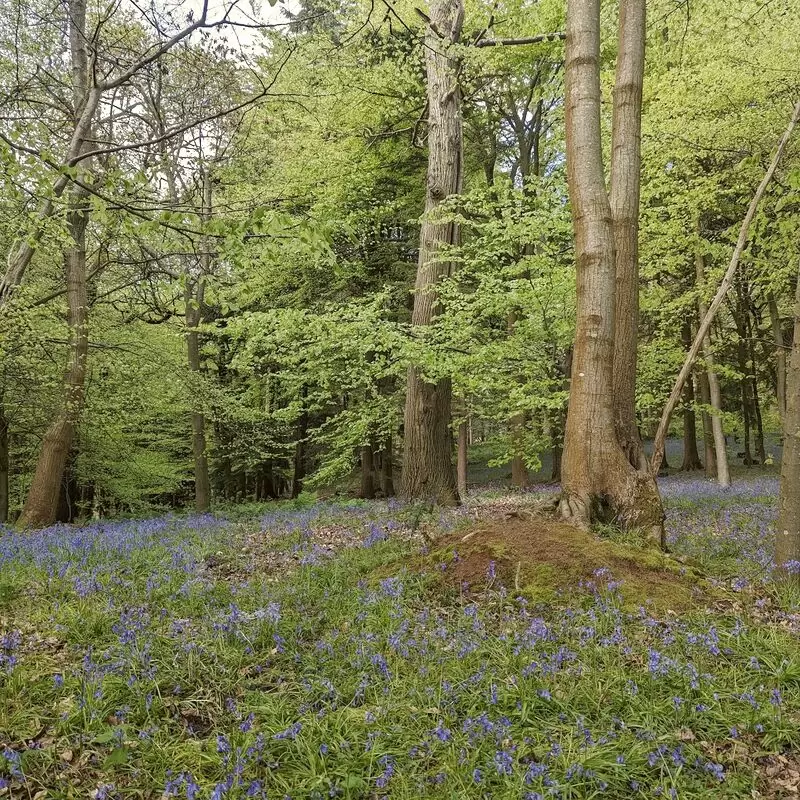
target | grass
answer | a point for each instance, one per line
(202, 658)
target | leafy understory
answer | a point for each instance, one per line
(294, 655)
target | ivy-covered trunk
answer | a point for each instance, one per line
(428, 440)
(604, 474)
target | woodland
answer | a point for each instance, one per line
(399, 399)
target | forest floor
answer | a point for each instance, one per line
(366, 650)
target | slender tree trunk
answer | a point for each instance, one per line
(787, 537)
(761, 453)
(367, 489)
(708, 433)
(4, 467)
(387, 468)
(780, 356)
(428, 447)
(715, 395)
(598, 478)
(708, 318)
(463, 459)
(41, 505)
(299, 471)
(691, 458)
(195, 291)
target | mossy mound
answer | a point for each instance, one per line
(547, 560)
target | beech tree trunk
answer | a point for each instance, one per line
(603, 475)
(787, 537)
(428, 446)
(41, 505)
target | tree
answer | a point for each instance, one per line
(428, 441)
(603, 470)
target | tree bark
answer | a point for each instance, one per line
(598, 479)
(387, 468)
(427, 457)
(195, 292)
(787, 536)
(691, 458)
(4, 466)
(710, 459)
(708, 317)
(463, 460)
(41, 505)
(780, 356)
(367, 488)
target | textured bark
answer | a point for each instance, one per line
(367, 488)
(598, 479)
(41, 505)
(427, 458)
(787, 537)
(708, 317)
(625, 191)
(463, 459)
(780, 356)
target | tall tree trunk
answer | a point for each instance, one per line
(714, 393)
(787, 537)
(691, 458)
(463, 458)
(195, 291)
(367, 488)
(428, 447)
(710, 459)
(761, 453)
(744, 373)
(780, 355)
(41, 505)
(599, 479)
(299, 471)
(3, 463)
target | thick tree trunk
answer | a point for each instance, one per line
(367, 488)
(427, 458)
(780, 356)
(519, 470)
(787, 537)
(598, 479)
(691, 458)
(463, 460)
